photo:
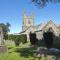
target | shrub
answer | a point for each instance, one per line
(33, 38)
(23, 38)
(41, 43)
(56, 44)
(18, 39)
(48, 38)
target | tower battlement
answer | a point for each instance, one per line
(28, 21)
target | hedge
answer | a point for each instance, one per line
(18, 39)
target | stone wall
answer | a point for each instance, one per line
(39, 35)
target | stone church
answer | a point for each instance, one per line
(28, 26)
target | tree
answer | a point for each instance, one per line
(43, 3)
(48, 39)
(6, 29)
(18, 39)
(33, 38)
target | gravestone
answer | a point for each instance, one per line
(3, 48)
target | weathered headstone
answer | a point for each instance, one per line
(3, 48)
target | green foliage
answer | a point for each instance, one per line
(6, 29)
(43, 3)
(41, 43)
(23, 53)
(56, 44)
(18, 39)
(48, 39)
(23, 38)
(11, 37)
(33, 38)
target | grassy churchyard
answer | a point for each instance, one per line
(26, 51)
(22, 52)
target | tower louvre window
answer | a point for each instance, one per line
(29, 22)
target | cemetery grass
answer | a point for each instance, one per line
(23, 52)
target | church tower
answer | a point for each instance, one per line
(28, 21)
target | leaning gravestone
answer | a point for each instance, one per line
(3, 48)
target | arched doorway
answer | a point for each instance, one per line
(48, 38)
